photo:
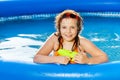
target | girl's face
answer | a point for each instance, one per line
(68, 29)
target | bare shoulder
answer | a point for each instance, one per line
(89, 46)
(53, 37)
(50, 40)
(84, 42)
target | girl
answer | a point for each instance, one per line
(67, 45)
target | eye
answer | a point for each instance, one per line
(63, 27)
(73, 27)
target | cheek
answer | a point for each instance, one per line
(62, 31)
(74, 31)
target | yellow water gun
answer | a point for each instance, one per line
(68, 53)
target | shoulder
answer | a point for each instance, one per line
(53, 36)
(89, 46)
(54, 40)
(50, 42)
(84, 42)
(83, 39)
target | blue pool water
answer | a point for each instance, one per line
(20, 38)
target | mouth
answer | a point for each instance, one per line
(68, 36)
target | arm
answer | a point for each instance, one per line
(42, 55)
(98, 56)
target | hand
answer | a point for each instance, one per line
(81, 58)
(63, 59)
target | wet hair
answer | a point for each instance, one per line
(68, 14)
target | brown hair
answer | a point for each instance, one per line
(71, 14)
(59, 17)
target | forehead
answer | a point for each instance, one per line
(68, 20)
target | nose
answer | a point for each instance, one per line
(68, 30)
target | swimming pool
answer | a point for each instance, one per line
(21, 38)
(23, 29)
(25, 36)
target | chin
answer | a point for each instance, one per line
(69, 40)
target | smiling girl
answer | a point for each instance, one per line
(67, 45)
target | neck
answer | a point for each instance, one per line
(68, 45)
(68, 42)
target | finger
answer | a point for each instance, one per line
(83, 53)
(76, 61)
(67, 58)
(78, 56)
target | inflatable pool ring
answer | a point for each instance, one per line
(29, 7)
